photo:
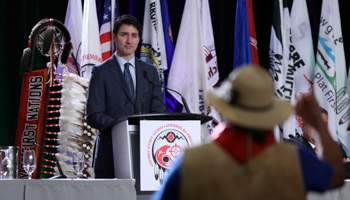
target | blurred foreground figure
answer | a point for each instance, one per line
(245, 162)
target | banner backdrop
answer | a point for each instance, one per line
(161, 142)
(31, 116)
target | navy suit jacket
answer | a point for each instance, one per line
(108, 98)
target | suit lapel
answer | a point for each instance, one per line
(117, 73)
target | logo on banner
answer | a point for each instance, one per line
(168, 145)
(275, 64)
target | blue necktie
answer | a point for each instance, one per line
(128, 79)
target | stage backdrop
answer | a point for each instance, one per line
(18, 17)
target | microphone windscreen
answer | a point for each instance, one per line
(146, 76)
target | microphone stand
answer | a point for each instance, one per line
(157, 98)
(182, 98)
(61, 175)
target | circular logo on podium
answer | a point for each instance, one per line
(167, 146)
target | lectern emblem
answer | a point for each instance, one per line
(167, 146)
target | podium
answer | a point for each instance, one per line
(126, 143)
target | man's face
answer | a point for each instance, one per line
(127, 40)
(309, 131)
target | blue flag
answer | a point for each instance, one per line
(242, 51)
(169, 100)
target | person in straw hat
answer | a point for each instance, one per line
(245, 161)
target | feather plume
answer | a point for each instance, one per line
(76, 135)
(77, 96)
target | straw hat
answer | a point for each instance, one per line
(246, 98)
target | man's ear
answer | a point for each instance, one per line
(114, 37)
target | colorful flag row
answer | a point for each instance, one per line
(296, 72)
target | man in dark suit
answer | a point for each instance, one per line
(308, 140)
(117, 88)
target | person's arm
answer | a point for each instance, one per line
(95, 103)
(309, 110)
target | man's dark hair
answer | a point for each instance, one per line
(127, 19)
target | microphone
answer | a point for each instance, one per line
(183, 99)
(61, 175)
(157, 98)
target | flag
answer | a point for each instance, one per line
(115, 13)
(246, 45)
(242, 50)
(324, 79)
(343, 98)
(169, 100)
(209, 45)
(91, 51)
(188, 74)
(276, 46)
(252, 33)
(210, 55)
(106, 32)
(302, 54)
(106, 29)
(276, 67)
(73, 22)
(281, 64)
(153, 46)
(288, 87)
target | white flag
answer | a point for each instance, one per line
(288, 87)
(281, 64)
(210, 54)
(343, 98)
(73, 22)
(276, 48)
(302, 54)
(153, 46)
(188, 73)
(91, 50)
(324, 80)
(209, 45)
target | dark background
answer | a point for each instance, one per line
(17, 18)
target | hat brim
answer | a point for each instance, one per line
(278, 112)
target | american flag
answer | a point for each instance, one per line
(107, 29)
